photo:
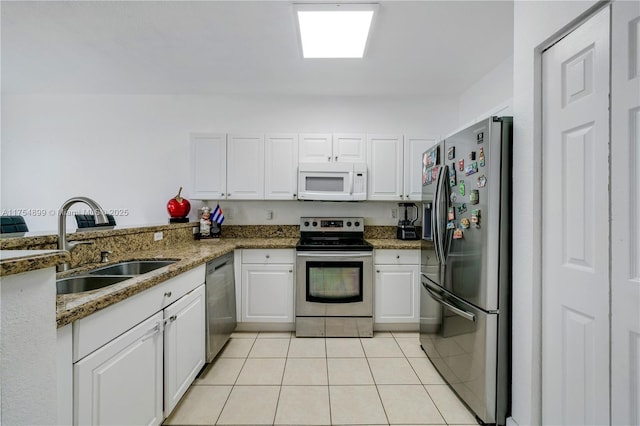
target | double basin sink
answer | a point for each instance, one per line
(108, 275)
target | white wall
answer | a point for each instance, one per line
(132, 152)
(491, 92)
(535, 24)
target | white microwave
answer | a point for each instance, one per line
(332, 181)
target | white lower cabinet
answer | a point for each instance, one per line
(267, 286)
(134, 360)
(184, 345)
(121, 383)
(397, 286)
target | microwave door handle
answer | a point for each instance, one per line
(350, 183)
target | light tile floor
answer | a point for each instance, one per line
(278, 379)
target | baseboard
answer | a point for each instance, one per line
(399, 326)
(266, 326)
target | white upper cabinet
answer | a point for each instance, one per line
(349, 148)
(281, 166)
(327, 147)
(385, 163)
(208, 166)
(315, 147)
(413, 149)
(245, 167)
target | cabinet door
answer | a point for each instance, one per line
(349, 148)
(267, 293)
(121, 383)
(397, 294)
(281, 167)
(384, 159)
(315, 147)
(245, 167)
(208, 166)
(184, 345)
(413, 149)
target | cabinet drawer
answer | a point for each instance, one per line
(266, 256)
(397, 257)
(91, 332)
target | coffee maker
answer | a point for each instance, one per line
(408, 214)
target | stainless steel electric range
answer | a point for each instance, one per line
(334, 278)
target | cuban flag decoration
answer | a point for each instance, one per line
(217, 216)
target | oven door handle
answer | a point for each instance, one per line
(334, 254)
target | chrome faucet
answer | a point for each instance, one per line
(63, 244)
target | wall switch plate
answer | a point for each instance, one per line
(157, 236)
(269, 214)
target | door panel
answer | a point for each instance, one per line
(575, 240)
(625, 214)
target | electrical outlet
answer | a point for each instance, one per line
(394, 213)
(157, 236)
(269, 214)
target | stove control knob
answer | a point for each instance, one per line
(349, 224)
(306, 224)
(315, 223)
(357, 224)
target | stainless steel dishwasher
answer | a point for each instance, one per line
(221, 303)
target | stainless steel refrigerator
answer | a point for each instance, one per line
(466, 264)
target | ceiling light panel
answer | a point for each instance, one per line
(334, 30)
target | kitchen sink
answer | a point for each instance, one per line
(82, 283)
(135, 267)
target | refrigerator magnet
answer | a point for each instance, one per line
(480, 137)
(434, 174)
(451, 153)
(462, 208)
(461, 164)
(451, 225)
(482, 181)
(453, 197)
(481, 157)
(465, 223)
(474, 196)
(457, 234)
(461, 187)
(452, 214)
(426, 177)
(472, 156)
(471, 169)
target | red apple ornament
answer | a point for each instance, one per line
(178, 207)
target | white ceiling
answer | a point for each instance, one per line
(244, 47)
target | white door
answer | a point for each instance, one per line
(281, 166)
(349, 148)
(396, 294)
(575, 224)
(184, 345)
(385, 162)
(267, 293)
(245, 167)
(414, 146)
(121, 383)
(625, 214)
(315, 147)
(208, 166)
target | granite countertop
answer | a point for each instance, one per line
(18, 261)
(72, 307)
(392, 243)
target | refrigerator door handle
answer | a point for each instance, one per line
(441, 229)
(464, 314)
